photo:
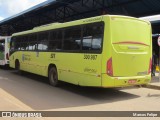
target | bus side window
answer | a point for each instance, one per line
(17, 43)
(72, 38)
(87, 43)
(59, 39)
(52, 41)
(92, 37)
(55, 40)
(24, 42)
(43, 40)
(12, 44)
(32, 42)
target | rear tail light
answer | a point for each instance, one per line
(150, 66)
(7, 56)
(109, 67)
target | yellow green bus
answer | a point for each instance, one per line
(103, 51)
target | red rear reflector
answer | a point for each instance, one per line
(109, 70)
(150, 66)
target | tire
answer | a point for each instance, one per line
(53, 76)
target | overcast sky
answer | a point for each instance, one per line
(12, 7)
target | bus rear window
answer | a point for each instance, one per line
(131, 31)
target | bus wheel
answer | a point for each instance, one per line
(53, 76)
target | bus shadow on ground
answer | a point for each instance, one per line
(35, 92)
(6, 67)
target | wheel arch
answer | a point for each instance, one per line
(16, 63)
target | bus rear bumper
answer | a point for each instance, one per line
(108, 81)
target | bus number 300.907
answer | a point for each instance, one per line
(90, 57)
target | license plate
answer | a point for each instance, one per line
(133, 81)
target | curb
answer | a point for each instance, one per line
(152, 86)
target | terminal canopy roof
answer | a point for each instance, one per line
(67, 10)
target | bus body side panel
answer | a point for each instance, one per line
(74, 68)
(29, 62)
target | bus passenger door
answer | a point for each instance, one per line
(37, 63)
(31, 53)
(42, 47)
